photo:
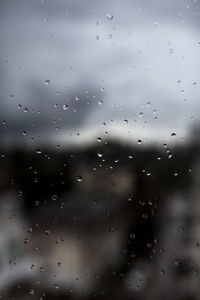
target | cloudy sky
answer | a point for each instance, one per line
(128, 67)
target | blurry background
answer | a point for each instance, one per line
(99, 151)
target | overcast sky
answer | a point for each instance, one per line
(70, 66)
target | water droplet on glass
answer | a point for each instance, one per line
(109, 17)
(100, 154)
(130, 199)
(47, 82)
(54, 197)
(65, 106)
(145, 216)
(79, 178)
(162, 272)
(176, 263)
(132, 236)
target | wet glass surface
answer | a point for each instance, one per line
(99, 149)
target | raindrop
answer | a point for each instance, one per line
(145, 216)
(79, 178)
(132, 236)
(162, 272)
(56, 285)
(176, 262)
(65, 106)
(150, 202)
(99, 139)
(109, 17)
(100, 154)
(47, 82)
(130, 199)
